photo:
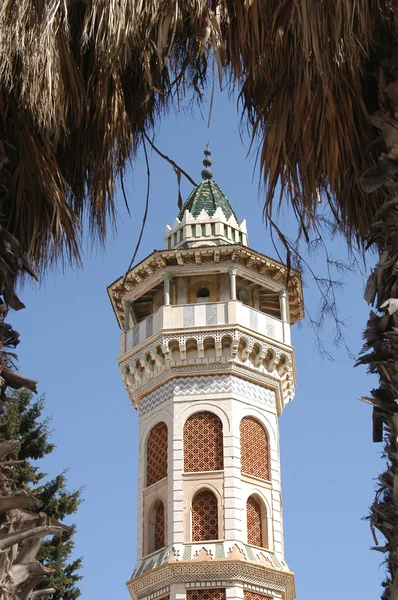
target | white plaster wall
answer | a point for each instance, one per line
(234, 592)
(230, 486)
(146, 423)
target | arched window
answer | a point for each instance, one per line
(249, 595)
(203, 295)
(254, 522)
(159, 527)
(206, 594)
(156, 454)
(156, 527)
(203, 443)
(204, 517)
(254, 448)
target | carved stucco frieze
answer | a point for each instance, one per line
(210, 571)
(252, 356)
(208, 385)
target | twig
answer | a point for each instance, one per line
(124, 193)
(145, 213)
(170, 161)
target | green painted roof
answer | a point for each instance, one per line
(208, 196)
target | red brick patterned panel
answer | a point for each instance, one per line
(204, 517)
(156, 459)
(254, 527)
(206, 594)
(248, 595)
(203, 443)
(160, 531)
(254, 448)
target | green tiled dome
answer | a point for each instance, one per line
(208, 196)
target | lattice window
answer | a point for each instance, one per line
(204, 517)
(159, 527)
(248, 595)
(254, 448)
(254, 525)
(156, 465)
(155, 528)
(206, 594)
(203, 443)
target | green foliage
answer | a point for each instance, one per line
(23, 418)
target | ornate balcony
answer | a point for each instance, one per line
(196, 316)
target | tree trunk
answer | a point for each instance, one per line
(380, 353)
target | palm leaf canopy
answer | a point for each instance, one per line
(80, 82)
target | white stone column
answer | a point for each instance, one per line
(232, 283)
(167, 277)
(126, 323)
(232, 476)
(140, 502)
(277, 526)
(284, 317)
(177, 591)
(175, 484)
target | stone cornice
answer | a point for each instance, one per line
(207, 259)
(143, 369)
(186, 572)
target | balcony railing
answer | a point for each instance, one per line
(208, 314)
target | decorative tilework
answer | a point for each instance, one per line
(203, 443)
(207, 196)
(211, 314)
(204, 573)
(206, 594)
(270, 330)
(204, 517)
(156, 466)
(136, 335)
(207, 384)
(164, 594)
(220, 551)
(250, 554)
(189, 316)
(254, 528)
(253, 319)
(159, 527)
(149, 326)
(249, 595)
(254, 448)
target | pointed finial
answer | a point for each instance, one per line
(207, 173)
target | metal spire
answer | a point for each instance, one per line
(207, 173)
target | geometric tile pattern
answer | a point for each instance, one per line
(204, 517)
(248, 595)
(254, 528)
(211, 574)
(203, 443)
(215, 550)
(159, 527)
(210, 384)
(254, 448)
(156, 465)
(206, 594)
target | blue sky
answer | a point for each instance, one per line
(70, 340)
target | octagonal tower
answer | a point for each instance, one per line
(207, 361)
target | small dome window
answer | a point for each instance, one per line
(203, 294)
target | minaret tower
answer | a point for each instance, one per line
(207, 361)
